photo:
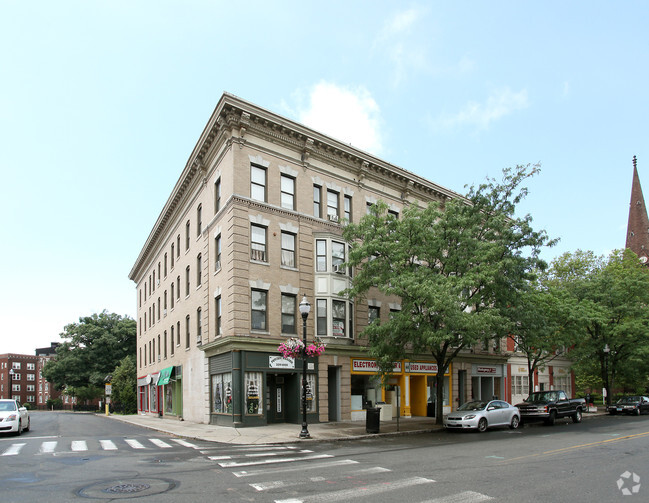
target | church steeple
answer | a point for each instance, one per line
(637, 229)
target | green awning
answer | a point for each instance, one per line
(165, 375)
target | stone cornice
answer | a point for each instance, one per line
(233, 119)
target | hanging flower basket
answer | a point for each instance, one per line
(294, 348)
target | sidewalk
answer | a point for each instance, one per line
(285, 433)
(282, 433)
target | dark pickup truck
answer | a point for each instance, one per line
(548, 406)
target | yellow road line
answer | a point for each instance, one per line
(580, 446)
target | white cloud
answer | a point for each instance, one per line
(350, 115)
(500, 104)
(401, 42)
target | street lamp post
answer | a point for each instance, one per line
(607, 350)
(305, 308)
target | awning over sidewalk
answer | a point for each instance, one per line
(165, 375)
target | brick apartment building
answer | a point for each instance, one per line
(253, 225)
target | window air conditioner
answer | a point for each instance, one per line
(339, 269)
(333, 218)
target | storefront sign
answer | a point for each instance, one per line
(487, 370)
(279, 362)
(422, 368)
(371, 366)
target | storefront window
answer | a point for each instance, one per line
(222, 393)
(432, 390)
(154, 395)
(253, 390)
(168, 399)
(310, 393)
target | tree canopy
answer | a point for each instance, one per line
(451, 266)
(91, 351)
(612, 295)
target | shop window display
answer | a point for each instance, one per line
(222, 393)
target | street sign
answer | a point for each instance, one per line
(108, 389)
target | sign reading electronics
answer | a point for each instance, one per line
(371, 366)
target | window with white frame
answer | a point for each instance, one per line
(321, 255)
(258, 243)
(217, 252)
(15, 365)
(257, 183)
(317, 201)
(332, 205)
(287, 192)
(288, 314)
(338, 257)
(199, 220)
(31, 377)
(31, 366)
(199, 326)
(321, 317)
(259, 309)
(187, 234)
(217, 195)
(199, 269)
(373, 314)
(217, 311)
(288, 249)
(338, 318)
(347, 201)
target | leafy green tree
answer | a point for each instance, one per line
(451, 266)
(123, 386)
(91, 351)
(543, 323)
(612, 296)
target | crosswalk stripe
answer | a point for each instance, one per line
(134, 443)
(184, 443)
(108, 445)
(276, 484)
(160, 443)
(47, 447)
(286, 469)
(271, 461)
(13, 449)
(352, 494)
(79, 445)
(463, 497)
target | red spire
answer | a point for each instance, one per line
(637, 229)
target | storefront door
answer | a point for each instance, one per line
(275, 398)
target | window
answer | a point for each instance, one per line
(332, 205)
(288, 249)
(257, 183)
(154, 282)
(217, 195)
(348, 208)
(317, 201)
(172, 255)
(172, 295)
(288, 314)
(338, 318)
(394, 214)
(310, 393)
(222, 393)
(337, 257)
(199, 220)
(258, 309)
(178, 289)
(321, 255)
(187, 282)
(199, 269)
(258, 243)
(187, 331)
(171, 333)
(321, 317)
(217, 311)
(253, 382)
(287, 192)
(31, 366)
(217, 254)
(373, 313)
(187, 226)
(153, 350)
(165, 345)
(178, 246)
(159, 348)
(15, 365)
(31, 377)
(165, 265)
(158, 308)
(178, 332)
(199, 326)
(15, 387)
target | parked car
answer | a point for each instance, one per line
(630, 405)
(548, 406)
(13, 416)
(481, 415)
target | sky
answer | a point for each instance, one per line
(101, 104)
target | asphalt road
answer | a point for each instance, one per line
(75, 457)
